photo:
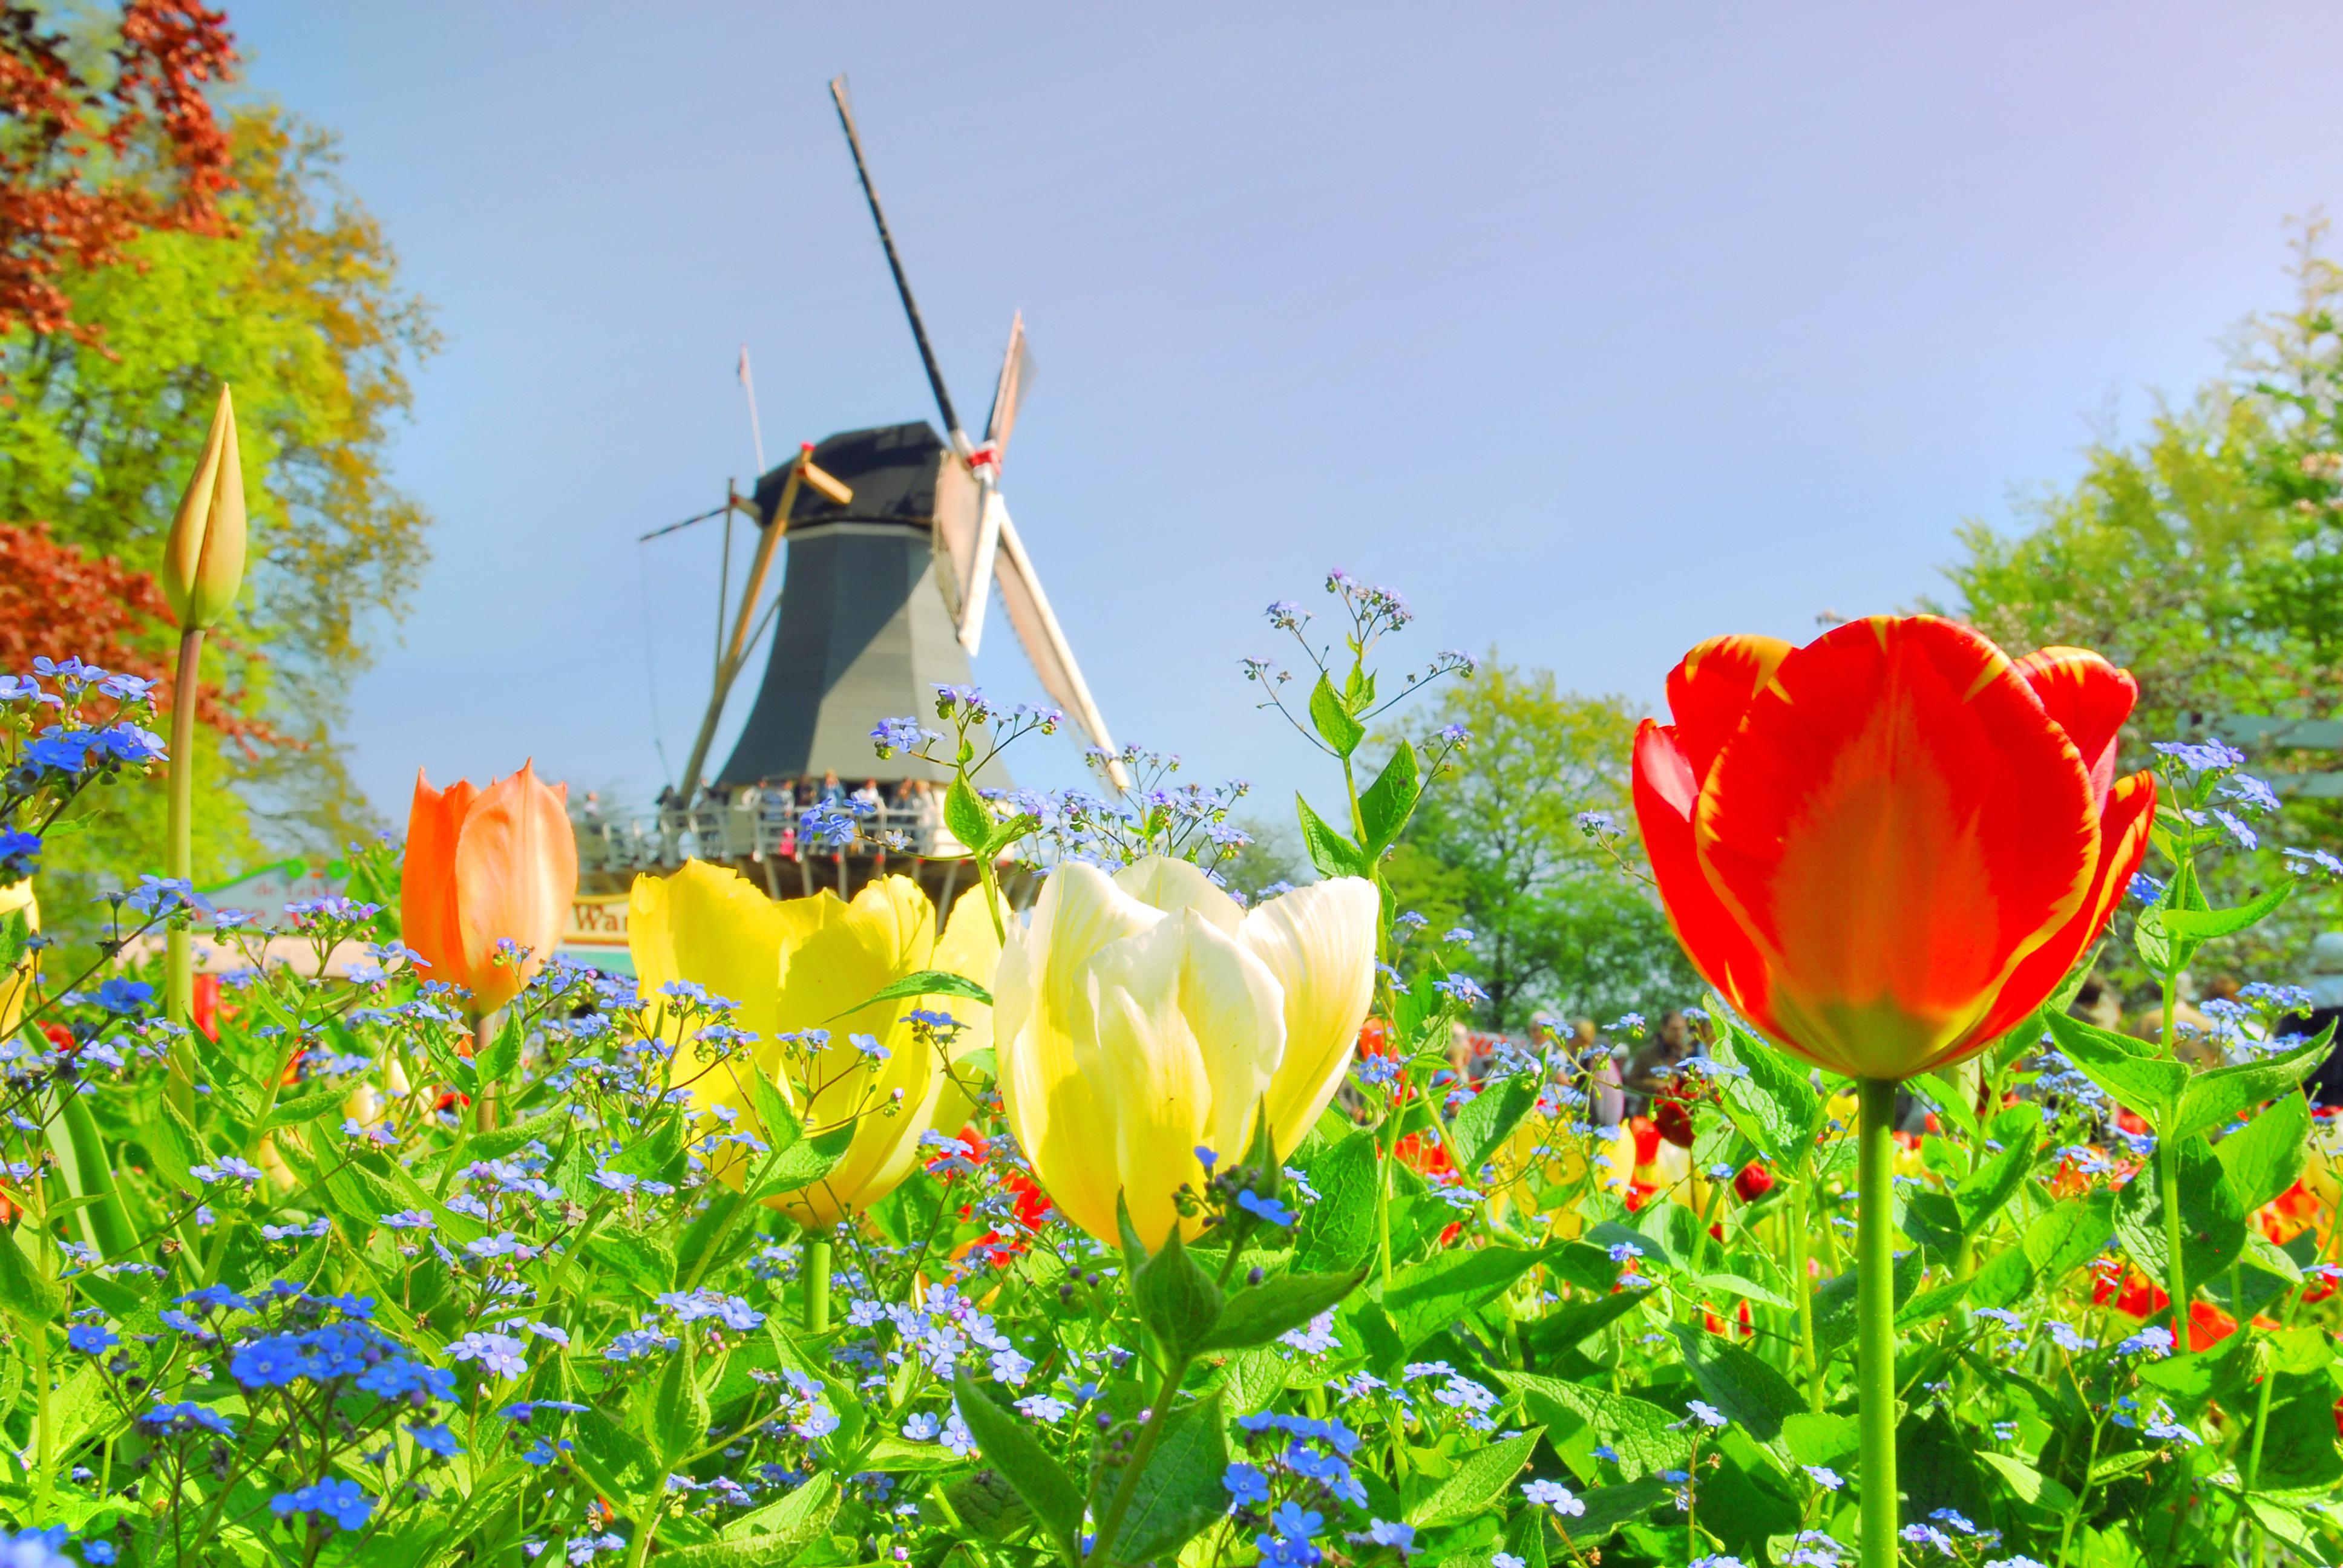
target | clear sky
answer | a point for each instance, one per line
(1596, 329)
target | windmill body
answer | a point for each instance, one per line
(895, 539)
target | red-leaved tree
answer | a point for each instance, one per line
(59, 602)
(90, 163)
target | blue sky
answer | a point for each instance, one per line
(1595, 330)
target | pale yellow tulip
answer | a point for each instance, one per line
(814, 963)
(16, 981)
(1146, 1013)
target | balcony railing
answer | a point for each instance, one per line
(756, 832)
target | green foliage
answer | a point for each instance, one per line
(298, 307)
(1498, 849)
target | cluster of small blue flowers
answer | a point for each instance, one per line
(1281, 1488)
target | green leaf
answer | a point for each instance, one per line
(34, 1302)
(929, 982)
(611, 1459)
(2212, 1226)
(1257, 1315)
(1835, 1302)
(807, 1161)
(1820, 1439)
(987, 1504)
(2029, 1484)
(2299, 1437)
(1488, 1120)
(503, 1054)
(1177, 1299)
(2266, 1157)
(1567, 1325)
(966, 815)
(305, 1107)
(1427, 1298)
(1180, 1492)
(502, 1141)
(1329, 851)
(2214, 1099)
(1339, 1227)
(799, 1513)
(642, 1261)
(15, 934)
(1609, 1507)
(679, 1416)
(1994, 1183)
(2136, 1073)
(1750, 1393)
(1010, 1446)
(2070, 1235)
(1333, 720)
(1479, 1478)
(2203, 925)
(1385, 804)
(1772, 1104)
(1645, 1437)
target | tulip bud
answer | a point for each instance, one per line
(1753, 1182)
(202, 560)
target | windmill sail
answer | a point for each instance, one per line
(1045, 641)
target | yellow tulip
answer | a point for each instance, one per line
(814, 963)
(1545, 1155)
(1146, 1014)
(202, 558)
(16, 981)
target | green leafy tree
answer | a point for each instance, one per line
(1557, 925)
(295, 301)
(2207, 557)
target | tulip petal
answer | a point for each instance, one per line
(426, 888)
(1161, 882)
(1710, 690)
(1051, 1083)
(1188, 1023)
(515, 872)
(1319, 943)
(1897, 826)
(711, 926)
(2124, 825)
(2089, 697)
(1666, 792)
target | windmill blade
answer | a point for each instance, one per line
(1017, 369)
(953, 431)
(1045, 641)
(991, 522)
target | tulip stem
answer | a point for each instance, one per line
(817, 1283)
(2167, 1173)
(1874, 1313)
(179, 861)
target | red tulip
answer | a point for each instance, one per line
(1753, 1182)
(485, 867)
(1889, 846)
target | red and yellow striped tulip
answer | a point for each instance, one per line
(1887, 848)
(483, 867)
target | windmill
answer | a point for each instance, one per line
(896, 538)
(978, 547)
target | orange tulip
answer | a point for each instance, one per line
(1887, 848)
(483, 867)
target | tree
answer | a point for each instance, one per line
(1497, 849)
(295, 301)
(95, 153)
(2205, 557)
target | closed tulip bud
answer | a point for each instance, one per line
(486, 867)
(1753, 1182)
(202, 560)
(811, 964)
(1147, 1014)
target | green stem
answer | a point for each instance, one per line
(179, 861)
(1801, 1288)
(1389, 1149)
(1875, 1311)
(1175, 1368)
(2167, 1171)
(484, 1104)
(817, 1284)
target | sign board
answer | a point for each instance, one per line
(596, 933)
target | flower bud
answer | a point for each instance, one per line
(202, 560)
